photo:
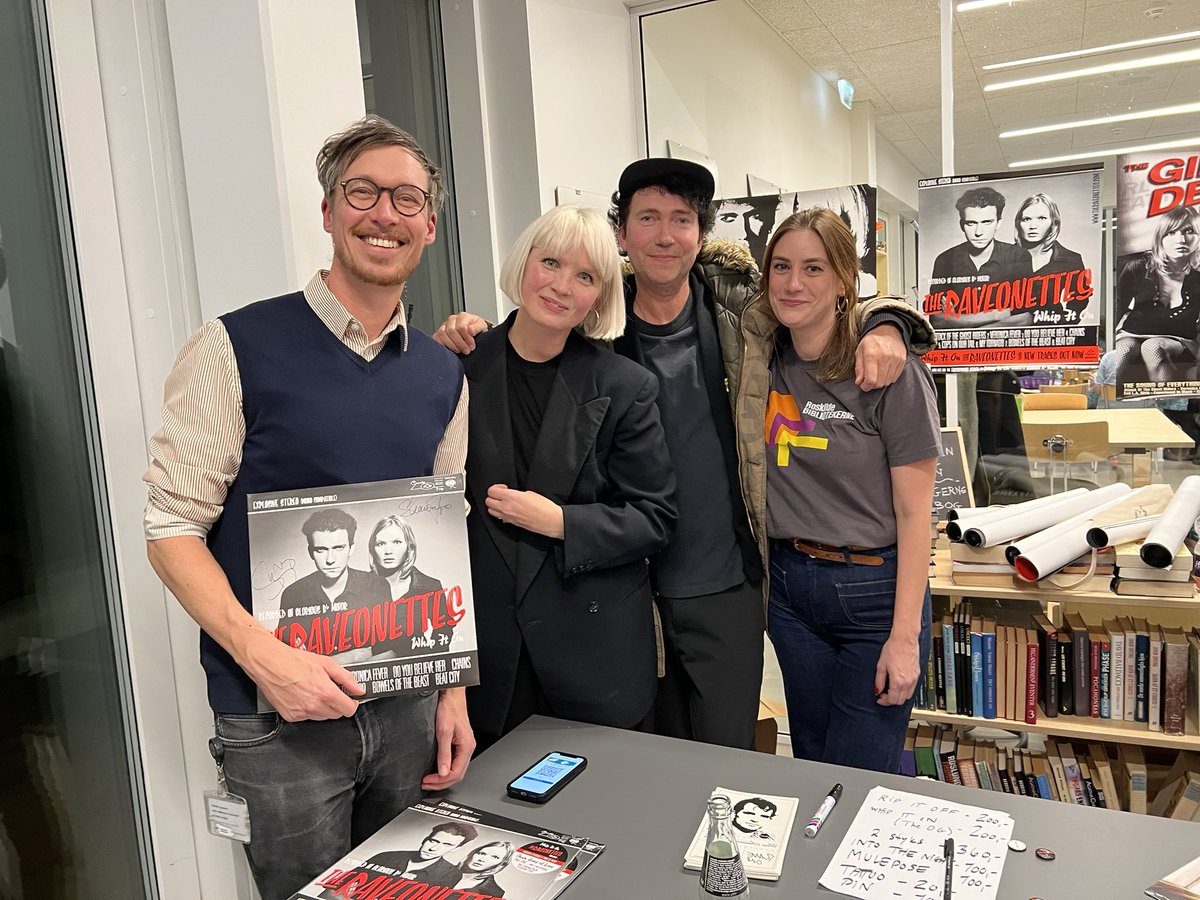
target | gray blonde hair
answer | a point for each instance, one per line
(562, 229)
(340, 150)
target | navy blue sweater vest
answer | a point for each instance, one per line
(319, 414)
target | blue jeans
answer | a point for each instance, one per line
(828, 622)
(317, 789)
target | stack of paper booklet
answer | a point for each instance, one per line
(762, 824)
(430, 847)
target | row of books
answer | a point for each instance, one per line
(1087, 776)
(1122, 669)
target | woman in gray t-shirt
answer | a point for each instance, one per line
(839, 483)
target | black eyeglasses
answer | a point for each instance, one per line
(363, 194)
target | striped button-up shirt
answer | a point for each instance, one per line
(196, 454)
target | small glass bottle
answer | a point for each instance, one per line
(722, 874)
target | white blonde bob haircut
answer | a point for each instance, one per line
(562, 229)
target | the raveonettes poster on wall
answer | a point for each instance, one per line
(374, 575)
(1156, 296)
(1009, 268)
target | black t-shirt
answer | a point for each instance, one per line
(529, 385)
(703, 556)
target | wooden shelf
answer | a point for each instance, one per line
(1095, 591)
(1120, 732)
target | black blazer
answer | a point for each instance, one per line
(582, 609)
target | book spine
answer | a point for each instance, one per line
(931, 683)
(1031, 683)
(1075, 782)
(962, 661)
(949, 655)
(1049, 684)
(1105, 680)
(950, 769)
(1094, 679)
(1130, 707)
(976, 673)
(1174, 689)
(989, 674)
(1066, 701)
(1154, 689)
(1006, 782)
(1043, 785)
(1141, 663)
(1081, 656)
(939, 668)
(1117, 676)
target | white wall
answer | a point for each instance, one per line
(896, 175)
(765, 111)
(584, 94)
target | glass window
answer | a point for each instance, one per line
(400, 42)
(70, 811)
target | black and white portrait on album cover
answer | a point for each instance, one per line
(750, 221)
(1156, 297)
(374, 575)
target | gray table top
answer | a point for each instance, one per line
(644, 796)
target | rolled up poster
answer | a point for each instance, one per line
(1047, 551)
(1101, 536)
(958, 518)
(1165, 539)
(991, 531)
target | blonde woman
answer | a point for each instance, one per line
(571, 489)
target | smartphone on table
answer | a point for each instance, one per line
(546, 777)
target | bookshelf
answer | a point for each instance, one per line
(1071, 727)
(1094, 593)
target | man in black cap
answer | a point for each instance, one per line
(684, 299)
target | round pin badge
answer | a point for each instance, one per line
(1043, 853)
(1018, 846)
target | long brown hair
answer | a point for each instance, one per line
(837, 359)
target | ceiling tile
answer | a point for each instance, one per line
(785, 15)
(1014, 29)
(1087, 138)
(1125, 20)
(870, 26)
(1171, 126)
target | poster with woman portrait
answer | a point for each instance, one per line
(1007, 268)
(750, 221)
(374, 575)
(1156, 296)
(446, 850)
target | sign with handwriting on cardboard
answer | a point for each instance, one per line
(894, 848)
(952, 484)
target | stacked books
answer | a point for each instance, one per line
(989, 566)
(1086, 775)
(1124, 668)
(1135, 577)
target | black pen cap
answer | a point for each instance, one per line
(836, 792)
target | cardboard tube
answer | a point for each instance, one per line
(1047, 551)
(1101, 536)
(967, 512)
(1164, 541)
(967, 516)
(990, 532)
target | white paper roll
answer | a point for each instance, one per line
(990, 532)
(1101, 536)
(1164, 541)
(964, 517)
(1047, 551)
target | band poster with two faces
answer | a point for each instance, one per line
(1009, 268)
(375, 575)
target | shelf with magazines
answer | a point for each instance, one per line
(1071, 727)
(1095, 592)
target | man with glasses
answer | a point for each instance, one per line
(322, 387)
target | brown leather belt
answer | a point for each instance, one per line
(836, 554)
